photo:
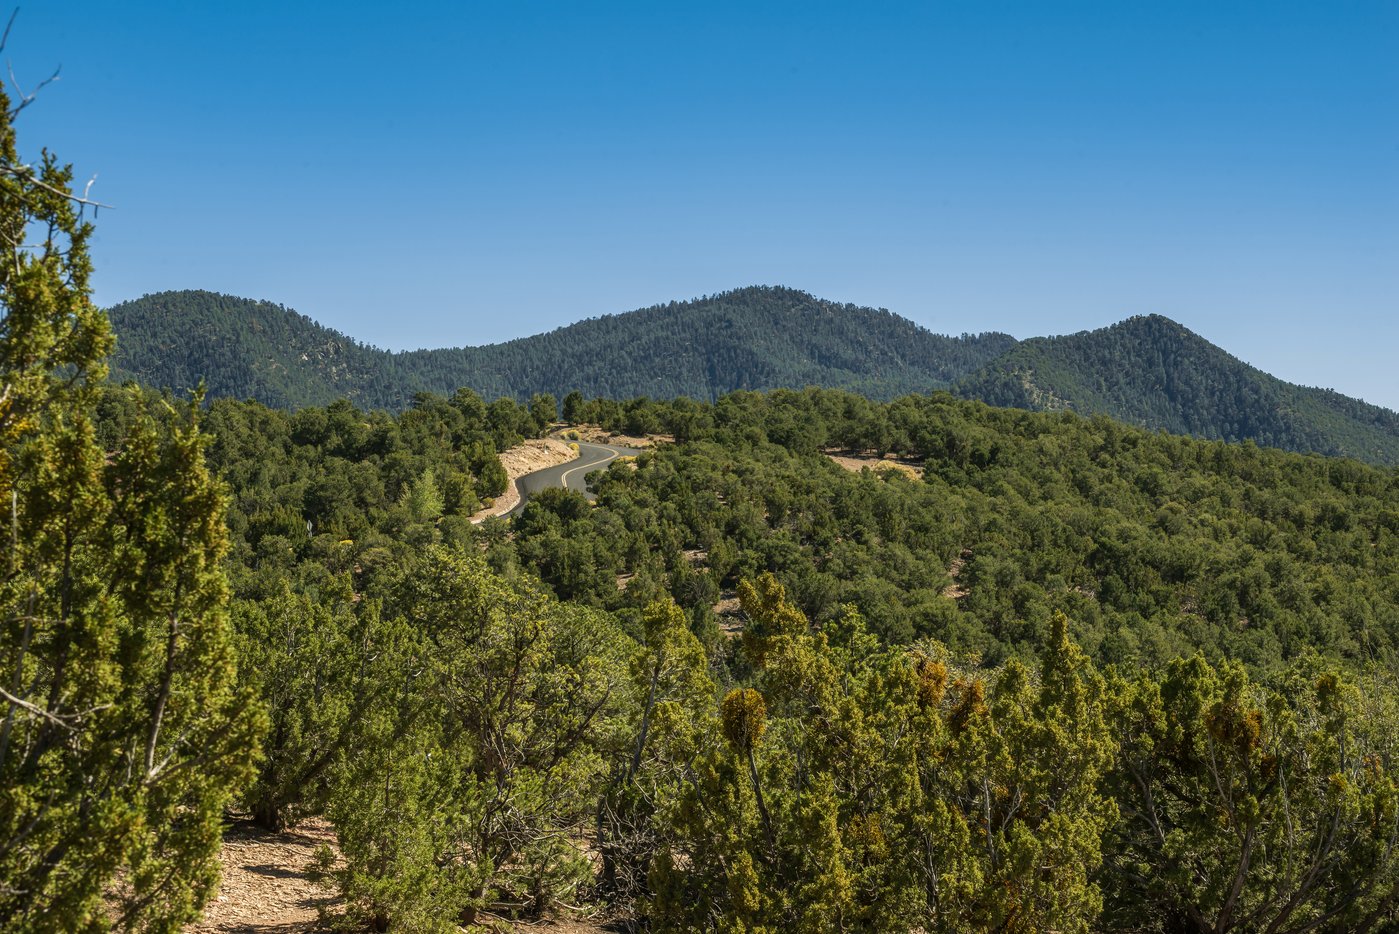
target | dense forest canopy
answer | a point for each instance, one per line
(754, 338)
(1152, 372)
(1130, 633)
(773, 691)
(1146, 371)
(1153, 544)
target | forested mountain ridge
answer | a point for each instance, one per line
(753, 338)
(1152, 372)
(240, 348)
(1147, 371)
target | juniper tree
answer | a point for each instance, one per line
(1251, 807)
(123, 735)
(483, 761)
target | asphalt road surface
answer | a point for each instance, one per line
(572, 475)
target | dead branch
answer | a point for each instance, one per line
(26, 173)
(36, 710)
(24, 99)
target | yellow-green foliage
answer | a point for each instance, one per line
(124, 734)
(870, 788)
(481, 765)
(1251, 806)
(744, 716)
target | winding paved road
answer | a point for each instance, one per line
(571, 475)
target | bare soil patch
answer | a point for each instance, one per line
(563, 926)
(855, 462)
(265, 888)
(595, 434)
(955, 590)
(535, 454)
(730, 612)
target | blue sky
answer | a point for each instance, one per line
(433, 174)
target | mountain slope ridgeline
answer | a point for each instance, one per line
(1147, 370)
(1152, 372)
(753, 338)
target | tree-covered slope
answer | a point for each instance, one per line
(1146, 371)
(1068, 640)
(240, 348)
(1151, 371)
(754, 338)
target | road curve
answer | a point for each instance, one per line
(571, 475)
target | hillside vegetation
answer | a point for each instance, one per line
(755, 338)
(1154, 545)
(972, 701)
(1146, 371)
(1150, 371)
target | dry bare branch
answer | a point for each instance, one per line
(36, 710)
(4, 40)
(26, 99)
(26, 173)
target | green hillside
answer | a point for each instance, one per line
(753, 338)
(1146, 371)
(241, 348)
(1152, 372)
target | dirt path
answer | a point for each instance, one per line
(265, 889)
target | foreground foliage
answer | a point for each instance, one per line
(124, 732)
(473, 781)
(906, 734)
(1248, 808)
(869, 789)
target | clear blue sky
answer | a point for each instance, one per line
(429, 174)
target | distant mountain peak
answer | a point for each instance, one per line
(756, 337)
(1152, 371)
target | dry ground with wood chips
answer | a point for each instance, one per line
(266, 889)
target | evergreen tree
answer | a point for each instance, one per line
(123, 734)
(672, 695)
(482, 762)
(1254, 808)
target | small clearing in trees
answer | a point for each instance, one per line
(594, 434)
(266, 888)
(856, 462)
